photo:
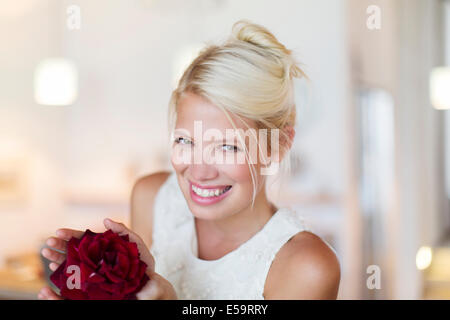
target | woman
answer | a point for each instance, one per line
(212, 231)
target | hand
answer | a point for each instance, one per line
(56, 243)
(156, 288)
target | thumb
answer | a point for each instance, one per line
(116, 227)
(121, 229)
(151, 290)
(157, 288)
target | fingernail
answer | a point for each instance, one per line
(50, 242)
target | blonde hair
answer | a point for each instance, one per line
(249, 75)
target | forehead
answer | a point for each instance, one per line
(192, 107)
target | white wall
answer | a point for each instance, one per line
(29, 132)
(447, 113)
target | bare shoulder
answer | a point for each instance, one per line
(142, 199)
(306, 267)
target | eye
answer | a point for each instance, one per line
(231, 147)
(179, 139)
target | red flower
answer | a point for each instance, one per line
(101, 266)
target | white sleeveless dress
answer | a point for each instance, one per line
(240, 274)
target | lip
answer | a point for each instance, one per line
(208, 187)
(207, 201)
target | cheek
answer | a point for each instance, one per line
(178, 159)
(238, 173)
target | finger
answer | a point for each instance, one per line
(53, 255)
(121, 229)
(66, 234)
(49, 294)
(151, 290)
(53, 266)
(42, 295)
(116, 227)
(56, 243)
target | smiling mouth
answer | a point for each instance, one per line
(210, 193)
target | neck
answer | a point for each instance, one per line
(242, 225)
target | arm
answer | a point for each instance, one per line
(305, 268)
(142, 202)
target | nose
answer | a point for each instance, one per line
(203, 172)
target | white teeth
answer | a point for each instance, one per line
(207, 192)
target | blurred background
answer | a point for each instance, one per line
(84, 90)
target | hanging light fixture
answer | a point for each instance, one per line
(440, 88)
(424, 257)
(55, 82)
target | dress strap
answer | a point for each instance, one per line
(279, 230)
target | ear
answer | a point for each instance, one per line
(291, 133)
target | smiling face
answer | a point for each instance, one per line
(206, 185)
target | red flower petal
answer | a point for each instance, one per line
(131, 286)
(104, 268)
(141, 270)
(143, 282)
(85, 271)
(114, 278)
(58, 277)
(136, 284)
(109, 235)
(122, 265)
(134, 267)
(116, 288)
(133, 250)
(109, 264)
(89, 233)
(73, 294)
(110, 257)
(96, 293)
(96, 278)
(94, 251)
(119, 247)
(72, 255)
(83, 251)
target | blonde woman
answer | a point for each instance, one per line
(212, 231)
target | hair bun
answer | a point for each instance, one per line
(257, 35)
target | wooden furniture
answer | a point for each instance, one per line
(22, 277)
